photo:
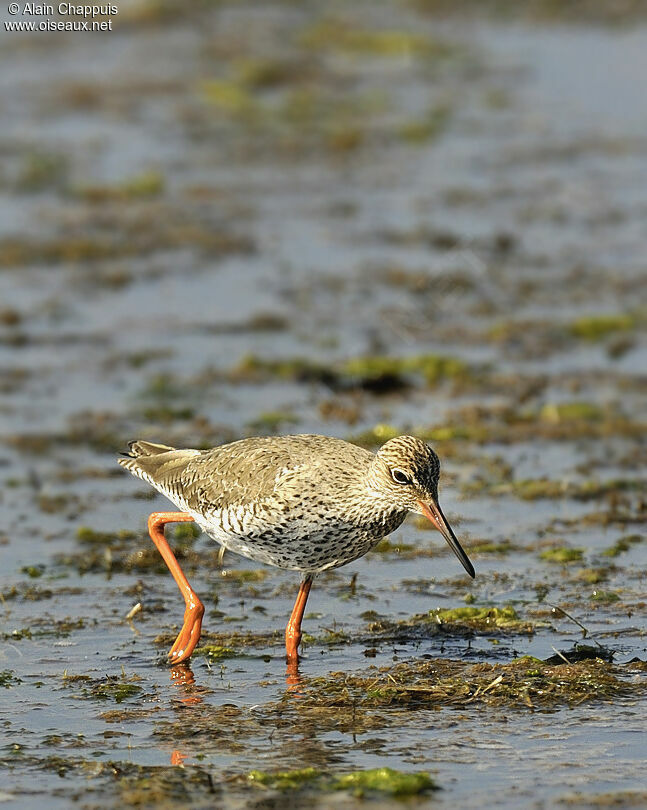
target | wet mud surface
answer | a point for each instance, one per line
(256, 219)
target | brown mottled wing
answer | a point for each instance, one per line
(235, 474)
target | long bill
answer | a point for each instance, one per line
(434, 513)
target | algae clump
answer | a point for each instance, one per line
(284, 780)
(432, 367)
(386, 780)
(570, 412)
(592, 575)
(622, 544)
(597, 327)
(604, 597)
(499, 617)
(216, 652)
(8, 679)
(377, 780)
(562, 555)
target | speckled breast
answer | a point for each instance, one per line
(304, 542)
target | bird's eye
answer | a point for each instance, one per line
(400, 477)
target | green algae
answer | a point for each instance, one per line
(562, 555)
(8, 679)
(528, 659)
(186, 533)
(112, 687)
(386, 780)
(90, 536)
(433, 368)
(571, 412)
(623, 544)
(298, 117)
(592, 576)
(33, 571)
(232, 97)
(604, 597)
(376, 435)
(532, 489)
(461, 621)
(370, 372)
(215, 652)
(242, 575)
(142, 186)
(377, 780)
(285, 780)
(478, 617)
(490, 547)
(252, 367)
(382, 432)
(598, 327)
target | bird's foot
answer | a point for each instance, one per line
(189, 635)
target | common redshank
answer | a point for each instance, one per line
(305, 503)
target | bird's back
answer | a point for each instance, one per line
(246, 471)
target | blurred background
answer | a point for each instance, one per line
(224, 219)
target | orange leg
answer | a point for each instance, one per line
(189, 635)
(177, 757)
(293, 630)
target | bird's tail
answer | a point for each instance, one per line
(159, 465)
(141, 448)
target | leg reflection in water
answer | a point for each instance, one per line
(190, 694)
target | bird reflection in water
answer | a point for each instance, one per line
(293, 678)
(192, 694)
(189, 693)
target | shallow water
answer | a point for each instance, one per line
(234, 184)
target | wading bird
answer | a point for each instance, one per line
(304, 503)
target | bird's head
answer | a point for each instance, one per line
(405, 472)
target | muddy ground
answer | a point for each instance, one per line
(359, 220)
